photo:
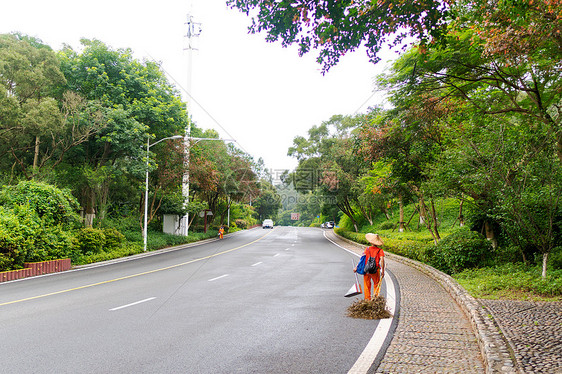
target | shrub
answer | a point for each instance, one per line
(18, 229)
(53, 205)
(555, 258)
(90, 240)
(113, 239)
(416, 250)
(241, 223)
(357, 237)
(462, 249)
(386, 225)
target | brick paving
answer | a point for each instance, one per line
(534, 331)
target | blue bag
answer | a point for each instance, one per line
(361, 265)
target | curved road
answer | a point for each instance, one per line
(258, 301)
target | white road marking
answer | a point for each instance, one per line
(287, 249)
(257, 263)
(131, 304)
(277, 254)
(214, 279)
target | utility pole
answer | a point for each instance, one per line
(193, 31)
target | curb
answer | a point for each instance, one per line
(495, 350)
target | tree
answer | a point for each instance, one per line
(137, 102)
(29, 76)
(338, 27)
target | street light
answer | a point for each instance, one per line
(148, 145)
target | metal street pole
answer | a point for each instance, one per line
(148, 145)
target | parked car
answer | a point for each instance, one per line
(267, 224)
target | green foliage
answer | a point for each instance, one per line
(335, 28)
(386, 225)
(416, 250)
(90, 240)
(19, 227)
(462, 249)
(113, 239)
(54, 206)
(357, 237)
(241, 224)
(511, 280)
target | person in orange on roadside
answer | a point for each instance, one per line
(374, 251)
(221, 232)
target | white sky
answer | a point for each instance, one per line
(262, 94)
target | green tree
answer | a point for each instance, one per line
(29, 111)
(137, 103)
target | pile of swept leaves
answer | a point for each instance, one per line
(369, 309)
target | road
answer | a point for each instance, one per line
(258, 301)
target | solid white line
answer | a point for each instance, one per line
(372, 349)
(135, 303)
(222, 276)
(257, 263)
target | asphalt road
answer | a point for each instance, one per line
(258, 301)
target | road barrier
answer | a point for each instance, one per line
(32, 269)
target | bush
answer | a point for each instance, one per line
(416, 250)
(241, 223)
(357, 237)
(555, 258)
(113, 239)
(19, 228)
(386, 225)
(462, 249)
(90, 240)
(53, 205)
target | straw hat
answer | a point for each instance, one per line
(374, 239)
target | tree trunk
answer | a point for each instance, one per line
(401, 206)
(36, 155)
(461, 216)
(490, 235)
(434, 219)
(346, 208)
(544, 264)
(423, 212)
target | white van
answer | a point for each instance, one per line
(267, 224)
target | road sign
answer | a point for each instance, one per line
(295, 216)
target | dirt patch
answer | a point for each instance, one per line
(369, 309)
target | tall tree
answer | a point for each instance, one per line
(138, 102)
(30, 115)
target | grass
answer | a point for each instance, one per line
(511, 282)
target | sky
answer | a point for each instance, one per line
(259, 93)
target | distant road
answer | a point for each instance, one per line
(259, 301)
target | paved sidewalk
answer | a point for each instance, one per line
(433, 334)
(534, 330)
